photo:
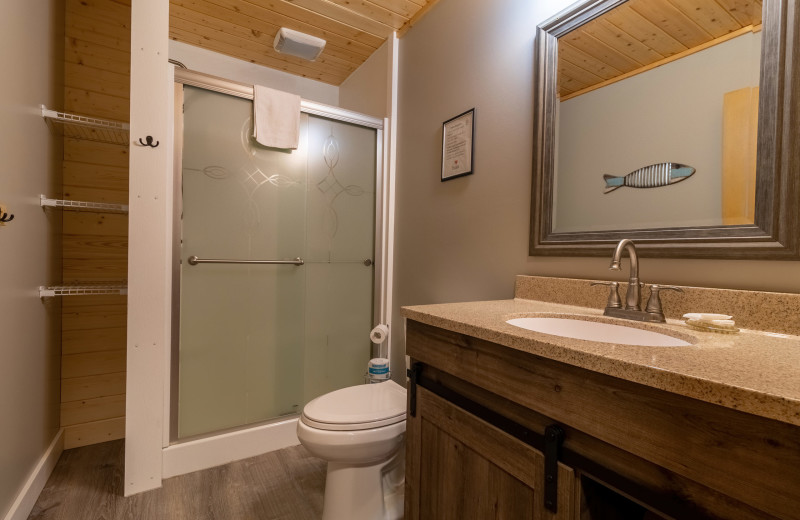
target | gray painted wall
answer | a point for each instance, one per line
(31, 36)
(365, 90)
(466, 239)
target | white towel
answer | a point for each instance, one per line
(276, 117)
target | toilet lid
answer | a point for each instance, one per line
(358, 407)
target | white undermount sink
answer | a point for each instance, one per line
(596, 331)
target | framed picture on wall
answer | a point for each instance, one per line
(458, 145)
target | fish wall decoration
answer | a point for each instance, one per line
(653, 176)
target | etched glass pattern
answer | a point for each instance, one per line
(259, 341)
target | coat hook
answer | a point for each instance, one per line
(149, 142)
(5, 217)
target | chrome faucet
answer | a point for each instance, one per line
(633, 297)
(632, 310)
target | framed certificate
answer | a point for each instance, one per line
(458, 145)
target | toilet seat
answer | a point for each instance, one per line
(359, 407)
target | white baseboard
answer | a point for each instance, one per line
(26, 499)
(190, 456)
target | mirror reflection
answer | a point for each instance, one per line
(658, 117)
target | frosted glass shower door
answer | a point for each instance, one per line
(242, 327)
(340, 246)
(259, 341)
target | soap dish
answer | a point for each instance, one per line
(705, 316)
(707, 326)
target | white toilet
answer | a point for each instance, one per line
(360, 431)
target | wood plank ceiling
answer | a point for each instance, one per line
(641, 34)
(245, 29)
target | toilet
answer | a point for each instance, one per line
(359, 430)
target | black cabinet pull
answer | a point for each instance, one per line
(413, 376)
(553, 439)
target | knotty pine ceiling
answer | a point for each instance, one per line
(245, 29)
(642, 34)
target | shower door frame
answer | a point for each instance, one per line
(380, 312)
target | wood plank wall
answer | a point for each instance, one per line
(95, 245)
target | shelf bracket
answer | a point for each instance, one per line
(553, 439)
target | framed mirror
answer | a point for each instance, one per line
(675, 123)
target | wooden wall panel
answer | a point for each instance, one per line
(95, 244)
(84, 77)
(95, 270)
(76, 246)
(81, 341)
(92, 364)
(93, 409)
(99, 177)
(94, 432)
(95, 194)
(88, 387)
(96, 105)
(89, 223)
(90, 317)
(83, 52)
(96, 33)
(101, 154)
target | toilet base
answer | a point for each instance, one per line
(368, 492)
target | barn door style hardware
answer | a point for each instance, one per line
(553, 439)
(413, 378)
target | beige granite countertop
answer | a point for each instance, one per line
(752, 371)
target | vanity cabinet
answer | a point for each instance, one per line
(460, 467)
(476, 444)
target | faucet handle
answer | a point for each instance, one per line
(614, 300)
(654, 303)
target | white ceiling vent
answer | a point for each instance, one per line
(295, 43)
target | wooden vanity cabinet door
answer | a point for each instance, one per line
(459, 467)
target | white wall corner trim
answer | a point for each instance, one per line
(217, 450)
(392, 79)
(26, 499)
(148, 255)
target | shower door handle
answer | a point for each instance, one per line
(193, 260)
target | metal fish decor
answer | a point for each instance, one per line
(653, 176)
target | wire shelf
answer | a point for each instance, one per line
(88, 128)
(81, 205)
(83, 290)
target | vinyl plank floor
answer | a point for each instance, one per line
(87, 485)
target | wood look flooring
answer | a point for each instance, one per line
(87, 485)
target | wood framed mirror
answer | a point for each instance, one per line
(771, 229)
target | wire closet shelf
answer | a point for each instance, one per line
(88, 128)
(82, 205)
(83, 289)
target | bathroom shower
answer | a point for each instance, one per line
(275, 264)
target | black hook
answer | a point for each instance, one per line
(149, 142)
(5, 217)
